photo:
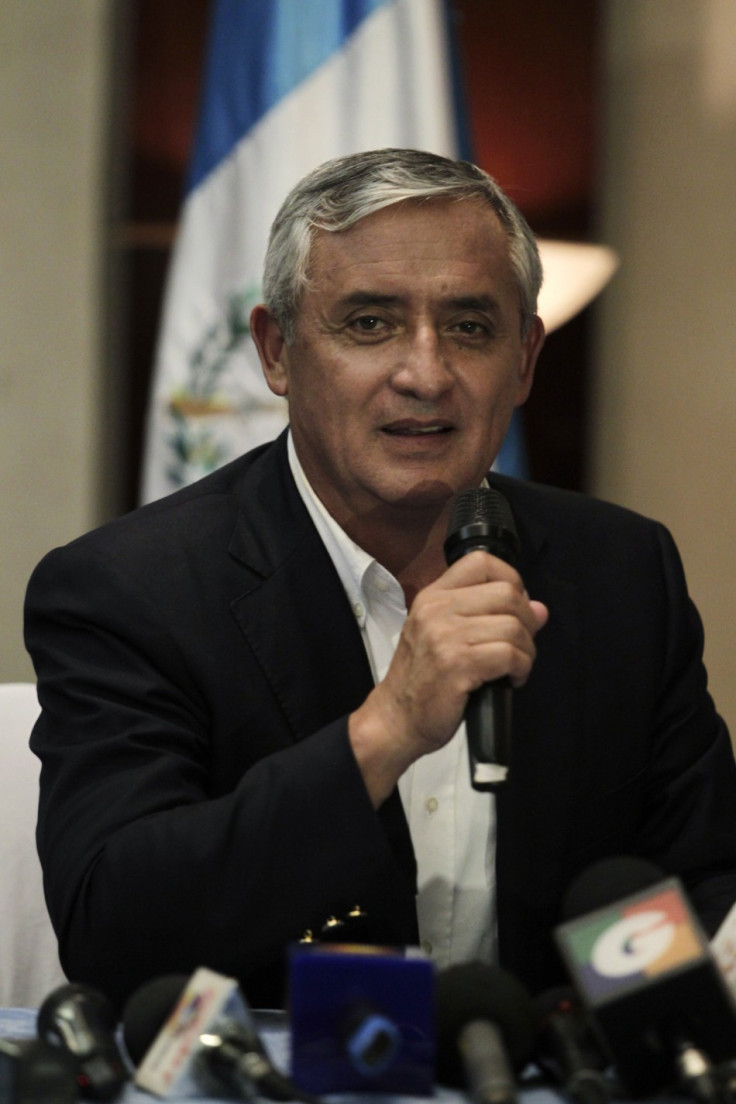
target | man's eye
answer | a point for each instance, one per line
(368, 323)
(470, 328)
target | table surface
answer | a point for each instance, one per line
(20, 1023)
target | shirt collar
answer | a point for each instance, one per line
(350, 560)
(356, 568)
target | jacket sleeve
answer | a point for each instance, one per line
(180, 823)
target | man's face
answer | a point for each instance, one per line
(407, 360)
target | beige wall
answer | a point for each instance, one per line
(53, 124)
(664, 427)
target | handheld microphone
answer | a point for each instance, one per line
(646, 974)
(83, 1021)
(567, 1050)
(486, 1028)
(482, 518)
(194, 1035)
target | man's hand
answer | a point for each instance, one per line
(474, 624)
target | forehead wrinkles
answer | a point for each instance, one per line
(460, 241)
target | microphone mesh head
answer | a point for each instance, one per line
(85, 997)
(480, 504)
(475, 991)
(606, 882)
(147, 1011)
(482, 518)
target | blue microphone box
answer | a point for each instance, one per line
(362, 1018)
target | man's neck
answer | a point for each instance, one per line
(407, 543)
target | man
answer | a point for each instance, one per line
(253, 690)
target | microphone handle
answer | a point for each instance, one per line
(488, 727)
(248, 1070)
(490, 1078)
(585, 1083)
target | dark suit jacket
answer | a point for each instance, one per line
(200, 804)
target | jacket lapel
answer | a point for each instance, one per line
(296, 617)
(293, 611)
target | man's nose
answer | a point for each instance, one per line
(423, 370)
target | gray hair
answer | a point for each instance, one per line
(343, 191)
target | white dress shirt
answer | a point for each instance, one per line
(452, 825)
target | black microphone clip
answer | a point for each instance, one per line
(568, 1048)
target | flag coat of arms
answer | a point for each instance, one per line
(288, 84)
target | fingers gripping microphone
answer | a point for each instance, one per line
(486, 1027)
(482, 518)
(83, 1021)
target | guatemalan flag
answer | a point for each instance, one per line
(287, 85)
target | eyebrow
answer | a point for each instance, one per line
(367, 298)
(484, 303)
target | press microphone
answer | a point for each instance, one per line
(567, 1049)
(486, 1029)
(645, 972)
(194, 1035)
(602, 883)
(33, 1071)
(82, 1020)
(482, 518)
(362, 1019)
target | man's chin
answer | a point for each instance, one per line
(425, 494)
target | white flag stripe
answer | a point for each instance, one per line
(390, 84)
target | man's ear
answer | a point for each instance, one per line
(269, 341)
(531, 347)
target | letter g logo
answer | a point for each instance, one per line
(632, 944)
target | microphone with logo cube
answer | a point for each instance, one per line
(646, 974)
(361, 1018)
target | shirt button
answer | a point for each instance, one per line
(358, 609)
(381, 584)
(431, 805)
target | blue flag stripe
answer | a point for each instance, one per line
(259, 51)
(459, 93)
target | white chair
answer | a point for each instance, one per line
(29, 961)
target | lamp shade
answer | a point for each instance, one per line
(574, 273)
